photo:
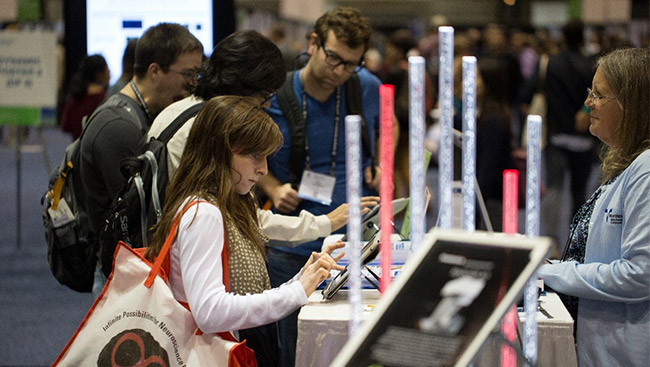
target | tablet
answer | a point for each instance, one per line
(368, 253)
(370, 220)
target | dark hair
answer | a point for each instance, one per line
(225, 125)
(162, 44)
(494, 101)
(128, 58)
(244, 64)
(347, 24)
(573, 33)
(89, 67)
(403, 40)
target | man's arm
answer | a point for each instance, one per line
(291, 231)
(284, 197)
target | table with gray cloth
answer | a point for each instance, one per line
(323, 330)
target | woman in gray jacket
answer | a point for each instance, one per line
(604, 278)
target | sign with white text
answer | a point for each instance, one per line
(27, 69)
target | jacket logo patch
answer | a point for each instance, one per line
(613, 218)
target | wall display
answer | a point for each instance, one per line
(111, 23)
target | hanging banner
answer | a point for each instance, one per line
(303, 11)
(27, 69)
(8, 10)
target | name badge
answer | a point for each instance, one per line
(316, 187)
(62, 215)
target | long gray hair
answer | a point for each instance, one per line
(627, 72)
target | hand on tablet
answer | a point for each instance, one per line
(339, 216)
(318, 267)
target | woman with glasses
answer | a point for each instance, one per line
(604, 275)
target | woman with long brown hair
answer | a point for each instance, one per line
(224, 157)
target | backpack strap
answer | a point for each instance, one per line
(296, 121)
(128, 105)
(72, 159)
(179, 121)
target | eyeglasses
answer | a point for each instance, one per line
(334, 60)
(187, 74)
(594, 98)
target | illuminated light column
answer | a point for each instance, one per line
(353, 177)
(386, 120)
(446, 106)
(469, 143)
(417, 111)
(510, 207)
(533, 172)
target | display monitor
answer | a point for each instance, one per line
(451, 294)
(111, 23)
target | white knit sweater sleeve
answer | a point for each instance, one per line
(196, 278)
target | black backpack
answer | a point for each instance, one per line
(139, 204)
(293, 113)
(71, 244)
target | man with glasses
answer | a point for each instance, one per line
(247, 64)
(336, 49)
(167, 57)
(243, 64)
(570, 151)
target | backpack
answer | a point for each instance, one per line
(71, 243)
(293, 113)
(138, 206)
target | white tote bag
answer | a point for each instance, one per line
(136, 321)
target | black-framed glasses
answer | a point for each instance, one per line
(334, 60)
(595, 97)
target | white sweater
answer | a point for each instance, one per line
(196, 277)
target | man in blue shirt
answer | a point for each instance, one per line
(336, 48)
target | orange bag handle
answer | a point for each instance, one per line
(164, 252)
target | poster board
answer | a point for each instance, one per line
(451, 295)
(27, 69)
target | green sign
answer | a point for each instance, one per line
(575, 9)
(29, 10)
(20, 116)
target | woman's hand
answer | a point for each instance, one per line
(318, 267)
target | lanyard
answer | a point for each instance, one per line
(139, 95)
(337, 118)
